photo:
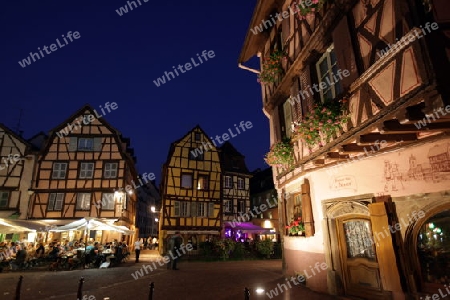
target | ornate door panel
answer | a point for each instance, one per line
(358, 257)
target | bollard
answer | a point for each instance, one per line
(80, 289)
(19, 285)
(246, 294)
(152, 288)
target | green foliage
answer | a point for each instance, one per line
(224, 247)
(304, 9)
(296, 226)
(265, 247)
(239, 252)
(281, 154)
(325, 118)
(271, 67)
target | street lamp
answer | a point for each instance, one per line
(153, 209)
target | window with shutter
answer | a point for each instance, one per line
(98, 144)
(327, 69)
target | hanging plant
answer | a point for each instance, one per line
(303, 9)
(296, 227)
(323, 121)
(281, 154)
(271, 67)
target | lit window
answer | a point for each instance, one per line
(83, 201)
(86, 170)
(202, 182)
(59, 170)
(241, 183)
(228, 182)
(228, 206)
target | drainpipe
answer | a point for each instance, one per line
(248, 69)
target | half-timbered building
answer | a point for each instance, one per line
(85, 168)
(191, 189)
(16, 169)
(235, 189)
(358, 92)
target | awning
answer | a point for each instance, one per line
(7, 227)
(32, 225)
(246, 227)
(88, 223)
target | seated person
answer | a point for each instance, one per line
(54, 252)
(21, 256)
(95, 255)
(40, 251)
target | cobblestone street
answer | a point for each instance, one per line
(194, 280)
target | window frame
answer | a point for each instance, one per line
(322, 77)
(111, 203)
(105, 170)
(199, 157)
(197, 137)
(185, 209)
(228, 206)
(202, 209)
(241, 206)
(59, 170)
(206, 182)
(230, 186)
(241, 187)
(85, 140)
(55, 201)
(2, 193)
(191, 181)
(79, 206)
(80, 171)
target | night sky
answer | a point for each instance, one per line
(117, 58)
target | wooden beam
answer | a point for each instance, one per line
(337, 155)
(352, 148)
(319, 161)
(374, 137)
(394, 126)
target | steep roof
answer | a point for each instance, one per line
(232, 160)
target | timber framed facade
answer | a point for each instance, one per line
(388, 165)
(83, 172)
(235, 183)
(16, 168)
(191, 190)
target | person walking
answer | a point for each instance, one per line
(175, 242)
(137, 249)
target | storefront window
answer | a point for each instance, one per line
(433, 244)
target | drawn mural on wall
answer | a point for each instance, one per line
(403, 170)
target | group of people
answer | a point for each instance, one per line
(23, 254)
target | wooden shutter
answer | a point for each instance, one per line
(176, 206)
(305, 80)
(211, 213)
(307, 213)
(194, 209)
(287, 118)
(73, 143)
(345, 54)
(98, 144)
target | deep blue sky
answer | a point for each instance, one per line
(118, 57)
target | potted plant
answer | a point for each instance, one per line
(271, 67)
(304, 10)
(296, 227)
(281, 154)
(322, 123)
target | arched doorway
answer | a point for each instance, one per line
(432, 247)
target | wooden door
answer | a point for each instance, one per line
(361, 274)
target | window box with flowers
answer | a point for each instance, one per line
(296, 227)
(304, 10)
(272, 67)
(281, 154)
(322, 123)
